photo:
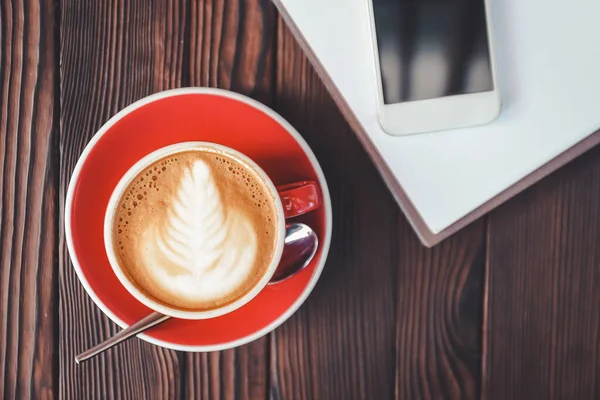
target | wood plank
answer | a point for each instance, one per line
(231, 47)
(112, 53)
(340, 344)
(239, 373)
(543, 289)
(28, 199)
(439, 315)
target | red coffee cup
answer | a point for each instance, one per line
(291, 200)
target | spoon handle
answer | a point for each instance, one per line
(145, 323)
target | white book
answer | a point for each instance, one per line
(548, 62)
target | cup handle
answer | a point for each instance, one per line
(299, 198)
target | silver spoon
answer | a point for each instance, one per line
(300, 247)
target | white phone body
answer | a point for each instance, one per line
(438, 113)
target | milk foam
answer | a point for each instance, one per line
(200, 250)
(196, 230)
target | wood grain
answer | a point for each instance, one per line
(543, 279)
(112, 53)
(439, 316)
(239, 373)
(340, 344)
(231, 47)
(28, 200)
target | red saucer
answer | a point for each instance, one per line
(191, 114)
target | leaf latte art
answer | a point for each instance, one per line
(197, 250)
(201, 232)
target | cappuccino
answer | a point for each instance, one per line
(196, 230)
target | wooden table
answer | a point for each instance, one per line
(506, 309)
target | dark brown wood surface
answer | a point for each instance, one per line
(29, 222)
(543, 297)
(508, 308)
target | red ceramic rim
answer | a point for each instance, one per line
(281, 300)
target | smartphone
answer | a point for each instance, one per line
(435, 64)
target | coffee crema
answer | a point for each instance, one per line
(196, 230)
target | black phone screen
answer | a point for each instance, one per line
(432, 48)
